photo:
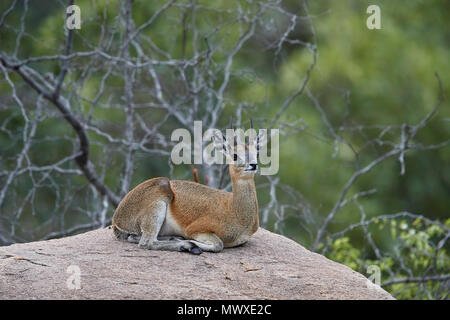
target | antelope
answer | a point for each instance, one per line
(179, 215)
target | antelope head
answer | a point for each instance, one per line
(241, 155)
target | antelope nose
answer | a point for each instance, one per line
(253, 166)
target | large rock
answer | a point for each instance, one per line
(269, 266)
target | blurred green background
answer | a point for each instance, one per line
(362, 77)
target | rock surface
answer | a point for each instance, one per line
(269, 266)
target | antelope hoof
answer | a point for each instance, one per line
(196, 250)
(191, 248)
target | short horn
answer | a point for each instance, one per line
(231, 122)
(251, 123)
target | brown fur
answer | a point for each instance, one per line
(210, 219)
(134, 206)
(198, 209)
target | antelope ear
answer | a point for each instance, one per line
(220, 142)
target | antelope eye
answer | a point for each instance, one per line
(235, 157)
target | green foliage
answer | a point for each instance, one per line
(343, 251)
(415, 253)
(362, 77)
